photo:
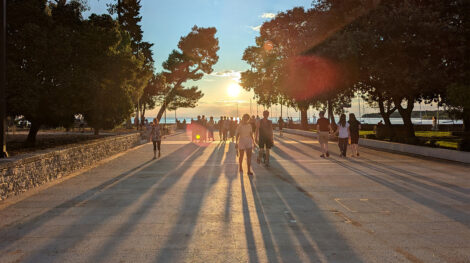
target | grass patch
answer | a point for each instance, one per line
(430, 134)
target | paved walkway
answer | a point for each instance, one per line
(191, 205)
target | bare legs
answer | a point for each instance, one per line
(355, 149)
(248, 160)
(261, 153)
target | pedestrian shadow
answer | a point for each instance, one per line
(94, 194)
(189, 212)
(432, 203)
(422, 177)
(288, 215)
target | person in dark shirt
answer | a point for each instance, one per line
(323, 130)
(280, 123)
(354, 128)
(265, 137)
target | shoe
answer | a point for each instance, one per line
(327, 154)
(322, 156)
(267, 165)
(357, 154)
(159, 154)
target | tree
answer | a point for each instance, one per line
(108, 67)
(197, 55)
(40, 62)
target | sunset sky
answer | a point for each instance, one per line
(237, 23)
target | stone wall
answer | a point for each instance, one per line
(23, 172)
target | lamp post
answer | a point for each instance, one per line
(3, 139)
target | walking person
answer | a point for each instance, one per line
(210, 128)
(354, 128)
(220, 125)
(226, 127)
(323, 130)
(280, 123)
(156, 138)
(265, 137)
(245, 142)
(343, 135)
(233, 128)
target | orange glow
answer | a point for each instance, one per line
(310, 76)
(268, 46)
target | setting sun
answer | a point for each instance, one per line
(233, 89)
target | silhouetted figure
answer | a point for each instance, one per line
(156, 137)
(210, 128)
(280, 124)
(323, 130)
(354, 128)
(265, 137)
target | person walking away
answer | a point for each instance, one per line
(220, 125)
(253, 124)
(323, 131)
(244, 139)
(232, 129)
(210, 128)
(280, 123)
(156, 138)
(343, 135)
(354, 128)
(226, 127)
(265, 137)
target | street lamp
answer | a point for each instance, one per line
(3, 139)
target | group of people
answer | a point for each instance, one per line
(345, 130)
(249, 132)
(252, 131)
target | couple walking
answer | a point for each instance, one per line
(345, 130)
(245, 139)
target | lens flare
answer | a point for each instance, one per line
(310, 76)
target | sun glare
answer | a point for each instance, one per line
(233, 89)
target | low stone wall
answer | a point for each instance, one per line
(23, 172)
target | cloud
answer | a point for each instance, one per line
(268, 15)
(255, 28)
(233, 74)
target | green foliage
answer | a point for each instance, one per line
(196, 56)
(60, 65)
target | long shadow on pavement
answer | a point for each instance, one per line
(121, 180)
(434, 204)
(189, 211)
(282, 229)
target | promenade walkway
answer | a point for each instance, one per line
(191, 205)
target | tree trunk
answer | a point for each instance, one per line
(33, 131)
(466, 119)
(331, 116)
(303, 119)
(406, 116)
(386, 116)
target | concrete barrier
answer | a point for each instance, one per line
(445, 154)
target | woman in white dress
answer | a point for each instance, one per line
(244, 139)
